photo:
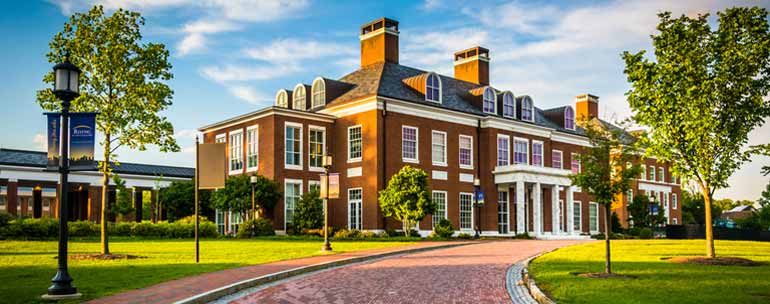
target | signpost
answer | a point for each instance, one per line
(211, 175)
(330, 188)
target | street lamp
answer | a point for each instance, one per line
(66, 89)
(253, 179)
(327, 164)
(476, 193)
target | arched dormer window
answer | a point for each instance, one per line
(282, 99)
(569, 118)
(433, 88)
(527, 109)
(319, 93)
(299, 97)
(489, 101)
(509, 105)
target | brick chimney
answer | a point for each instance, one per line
(379, 42)
(472, 65)
(586, 107)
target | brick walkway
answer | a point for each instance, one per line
(176, 290)
(467, 274)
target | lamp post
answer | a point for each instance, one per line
(327, 164)
(65, 88)
(253, 179)
(476, 193)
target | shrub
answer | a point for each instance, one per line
(347, 233)
(122, 229)
(191, 219)
(5, 219)
(645, 233)
(523, 236)
(308, 213)
(464, 236)
(207, 229)
(39, 228)
(634, 231)
(367, 234)
(444, 229)
(82, 228)
(255, 227)
(145, 228)
(393, 233)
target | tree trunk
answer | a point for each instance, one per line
(607, 228)
(105, 185)
(705, 191)
(406, 227)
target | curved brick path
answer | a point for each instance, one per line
(466, 274)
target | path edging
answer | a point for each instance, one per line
(522, 287)
(223, 291)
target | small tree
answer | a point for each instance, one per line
(702, 95)
(179, 200)
(764, 198)
(236, 195)
(407, 197)
(123, 202)
(266, 194)
(309, 212)
(639, 210)
(604, 173)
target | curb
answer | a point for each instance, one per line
(223, 291)
(521, 287)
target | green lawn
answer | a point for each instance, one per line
(657, 281)
(26, 267)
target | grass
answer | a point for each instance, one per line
(657, 281)
(26, 267)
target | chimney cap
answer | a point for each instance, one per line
(587, 97)
(386, 23)
(472, 52)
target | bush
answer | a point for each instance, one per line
(464, 236)
(444, 229)
(523, 236)
(347, 233)
(367, 234)
(255, 227)
(145, 228)
(5, 219)
(83, 229)
(645, 234)
(393, 233)
(308, 213)
(634, 231)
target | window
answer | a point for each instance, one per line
(299, 98)
(466, 211)
(252, 148)
(354, 144)
(433, 88)
(644, 172)
(556, 158)
(629, 197)
(236, 151)
(577, 216)
(466, 151)
(569, 118)
(520, 151)
(438, 148)
(593, 217)
(673, 178)
(502, 212)
(220, 221)
(661, 174)
(3, 198)
(220, 138)
(319, 93)
(317, 140)
(314, 185)
(652, 173)
(235, 221)
(674, 221)
(409, 144)
(292, 194)
(575, 163)
(527, 109)
(509, 107)
(354, 208)
(537, 153)
(503, 150)
(674, 201)
(282, 99)
(439, 197)
(293, 146)
(489, 101)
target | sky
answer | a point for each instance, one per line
(229, 57)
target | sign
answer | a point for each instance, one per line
(480, 198)
(54, 131)
(334, 186)
(211, 161)
(82, 140)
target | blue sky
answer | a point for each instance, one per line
(231, 57)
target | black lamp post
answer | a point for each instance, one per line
(65, 88)
(477, 204)
(253, 179)
(327, 164)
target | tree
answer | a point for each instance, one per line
(123, 78)
(407, 197)
(604, 171)
(236, 195)
(702, 95)
(764, 198)
(309, 212)
(639, 210)
(123, 202)
(179, 200)
(266, 194)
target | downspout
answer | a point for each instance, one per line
(384, 153)
(478, 167)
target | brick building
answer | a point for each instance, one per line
(458, 128)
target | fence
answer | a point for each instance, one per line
(720, 233)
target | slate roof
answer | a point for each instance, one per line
(26, 158)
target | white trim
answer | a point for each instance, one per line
(323, 147)
(574, 122)
(572, 157)
(440, 175)
(416, 159)
(246, 138)
(459, 158)
(515, 126)
(531, 108)
(561, 158)
(513, 99)
(580, 216)
(459, 212)
(440, 89)
(494, 100)
(294, 96)
(282, 91)
(286, 182)
(230, 152)
(220, 136)
(497, 149)
(312, 93)
(446, 143)
(240, 119)
(542, 153)
(352, 107)
(446, 205)
(431, 112)
(360, 203)
(378, 31)
(674, 201)
(472, 58)
(654, 176)
(525, 140)
(301, 135)
(355, 159)
(598, 217)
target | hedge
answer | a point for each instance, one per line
(46, 228)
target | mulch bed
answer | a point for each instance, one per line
(99, 256)
(717, 261)
(602, 275)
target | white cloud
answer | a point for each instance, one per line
(286, 50)
(195, 38)
(234, 73)
(186, 134)
(249, 94)
(437, 55)
(259, 10)
(40, 142)
(430, 5)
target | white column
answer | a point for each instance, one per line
(520, 225)
(537, 216)
(555, 210)
(570, 210)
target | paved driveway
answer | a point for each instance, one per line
(466, 274)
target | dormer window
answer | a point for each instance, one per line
(282, 99)
(490, 101)
(527, 109)
(433, 88)
(299, 97)
(509, 106)
(319, 93)
(569, 118)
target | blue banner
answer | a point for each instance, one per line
(82, 140)
(54, 132)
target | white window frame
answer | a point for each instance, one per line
(513, 105)
(579, 209)
(644, 172)
(561, 158)
(294, 97)
(252, 145)
(598, 216)
(662, 174)
(416, 158)
(285, 158)
(507, 150)
(575, 157)
(312, 183)
(231, 149)
(459, 153)
(531, 109)
(284, 94)
(542, 153)
(361, 132)
(674, 221)
(221, 138)
(674, 201)
(360, 203)
(286, 183)
(460, 211)
(526, 157)
(653, 176)
(313, 104)
(484, 100)
(445, 214)
(427, 87)
(432, 144)
(571, 117)
(507, 213)
(311, 128)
